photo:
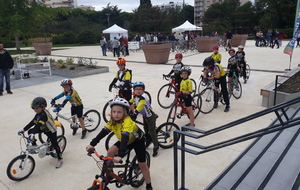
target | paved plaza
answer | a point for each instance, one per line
(78, 170)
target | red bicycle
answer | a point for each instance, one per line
(179, 103)
(166, 94)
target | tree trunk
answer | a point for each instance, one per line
(17, 41)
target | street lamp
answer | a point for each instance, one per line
(107, 14)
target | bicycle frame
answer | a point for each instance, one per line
(33, 149)
(123, 178)
(68, 119)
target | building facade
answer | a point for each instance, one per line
(201, 6)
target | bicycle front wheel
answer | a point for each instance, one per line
(207, 96)
(194, 87)
(60, 130)
(136, 174)
(236, 89)
(165, 134)
(106, 112)
(166, 96)
(92, 120)
(20, 167)
(247, 71)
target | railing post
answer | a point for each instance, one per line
(175, 160)
(183, 161)
(275, 90)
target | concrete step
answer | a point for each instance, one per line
(256, 163)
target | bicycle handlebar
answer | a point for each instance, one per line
(167, 77)
(101, 157)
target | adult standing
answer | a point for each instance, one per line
(126, 45)
(103, 45)
(6, 64)
(228, 39)
(116, 47)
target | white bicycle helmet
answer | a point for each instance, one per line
(121, 102)
(241, 46)
(66, 82)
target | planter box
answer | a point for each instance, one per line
(43, 48)
(102, 69)
(239, 40)
(157, 53)
(204, 44)
(268, 92)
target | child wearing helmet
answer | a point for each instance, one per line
(240, 55)
(43, 122)
(124, 76)
(141, 105)
(216, 55)
(232, 67)
(186, 89)
(72, 96)
(218, 74)
(176, 69)
(128, 134)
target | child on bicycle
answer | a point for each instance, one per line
(129, 137)
(176, 69)
(218, 74)
(240, 55)
(139, 104)
(186, 89)
(124, 76)
(216, 55)
(72, 96)
(233, 66)
(43, 123)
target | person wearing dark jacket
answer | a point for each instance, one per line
(6, 64)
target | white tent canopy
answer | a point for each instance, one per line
(187, 26)
(115, 30)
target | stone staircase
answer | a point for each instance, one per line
(271, 162)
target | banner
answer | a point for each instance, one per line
(290, 46)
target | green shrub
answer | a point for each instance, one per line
(87, 37)
(62, 65)
(72, 68)
(70, 60)
(68, 38)
(7, 43)
(56, 39)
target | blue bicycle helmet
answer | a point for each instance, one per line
(139, 83)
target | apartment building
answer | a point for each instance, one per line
(201, 6)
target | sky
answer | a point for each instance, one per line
(125, 5)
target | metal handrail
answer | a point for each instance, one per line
(283, 124)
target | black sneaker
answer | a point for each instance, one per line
(215, 104)
(1, 94)
(227, 109)
(74, 130)
(9, 92)
(155, 151)
(83, 135)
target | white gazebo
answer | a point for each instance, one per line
(186, 26)
(115, 30)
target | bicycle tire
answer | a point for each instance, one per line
(166, 96)
(248, 71)
(237, 89)
(136, 172)
(13, 168)
(109, 141)
(196, 105)
(165, 134)
(91, 120)
(207, 97)
(60, 131)
(62, 143)
(106, 112)
(202, 85)
(172, 113)
(98, 187)
(148, 96)
(194, 87)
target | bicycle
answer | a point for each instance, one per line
(117, 94)
(247, 71)
(91, 120)
(209, 95)
(179, 102)
(166, 94)
(164, 135)
(23, 165)
(235, 87)
(130, 175)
